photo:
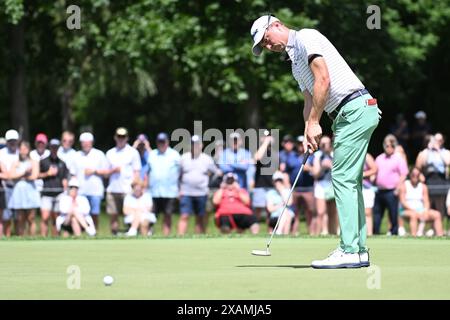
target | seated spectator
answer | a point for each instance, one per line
(233, 207)
(276, 199)
(74, 213)
(25, 198)
(137, 207)
(54, 173)
(368, 191)
(416, 205)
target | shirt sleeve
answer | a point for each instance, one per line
(83, 205)
(403, 167)
(136, 162)
(65, 204)
(309, 38)
(127, 202)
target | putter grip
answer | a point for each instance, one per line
(307, 153)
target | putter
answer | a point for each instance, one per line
(266, 252)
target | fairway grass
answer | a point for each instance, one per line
(220, 268)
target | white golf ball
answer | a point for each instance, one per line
(108, 280)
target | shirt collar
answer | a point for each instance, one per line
(290, 44)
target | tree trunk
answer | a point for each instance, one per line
(68, 121)
(17, 92)
(253, 116)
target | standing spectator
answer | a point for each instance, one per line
(233, 207)
(369, 175)
(195, 168)
(8, 156)
(433, 163)
(416, 204)
(41, 151)
(401, 131)
(419, 131)
(54, 174)
(327, 220)
(137, 208)
(447, 202)
(392, 171)
(74, 217)
(163, 179)
(142, 145)
(263, 182)
(124, 166)
(303, 196)
(276, 199)
(25, 198)
(66, 152)
(3, 177)
(236, 160)
(90, 166)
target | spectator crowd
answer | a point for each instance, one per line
(138, 185)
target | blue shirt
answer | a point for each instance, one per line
(144, 164)
(237, 162)
(164, 173)
(293, 163)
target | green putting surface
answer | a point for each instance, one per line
(220, 268)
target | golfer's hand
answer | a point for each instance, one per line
(313, 133)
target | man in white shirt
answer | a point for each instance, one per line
(66, 153)
(124, 165)
(8, 156)
(90, 166)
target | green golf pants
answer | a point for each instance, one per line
(352, 127)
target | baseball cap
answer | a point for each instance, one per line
(258, 29)
(195, 139)
(142, 137)
(121, 131)
(420, 115)
(287, 138)
(86, 136)
(41, 137)
(54, 142)
(278, 175)
(11, 135)
(301, 138)
(162, 136)
(73, 183)
(235, 135)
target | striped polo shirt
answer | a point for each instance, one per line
(306, 42)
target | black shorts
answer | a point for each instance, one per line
(241, 221)
(164, 205)
(2, 200)
(273, 222)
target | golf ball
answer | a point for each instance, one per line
(108, 280)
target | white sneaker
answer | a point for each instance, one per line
(429, 233)
(401, 231)
(421, 228)
(132, 232)
(59, 222)
(364, 259)
(338, 259)
(91, 230)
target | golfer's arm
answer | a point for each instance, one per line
(321, 88)
(307, 107)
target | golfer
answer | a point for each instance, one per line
(329, 85)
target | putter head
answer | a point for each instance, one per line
(263, 253)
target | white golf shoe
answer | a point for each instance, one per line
(338, 259)
(364, 259)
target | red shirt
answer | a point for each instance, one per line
(231, 203)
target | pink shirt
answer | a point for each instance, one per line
(390, 169)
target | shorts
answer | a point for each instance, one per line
(323, 190)
(259, 197)
(369, 197)
(164, 205)
(63, 224)
(147, 216)
(8, 214)
(114, 203)
(191, 204)
(241, 221)
(50, 203)
(95, 204)
(2, 200)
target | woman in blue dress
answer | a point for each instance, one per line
(25, 197)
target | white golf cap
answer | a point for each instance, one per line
(235, 135)
(73, 183)
(11, 135)
(86, 136)
(258, 29)
(195, 139)
(278, 175)
(420, 115)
